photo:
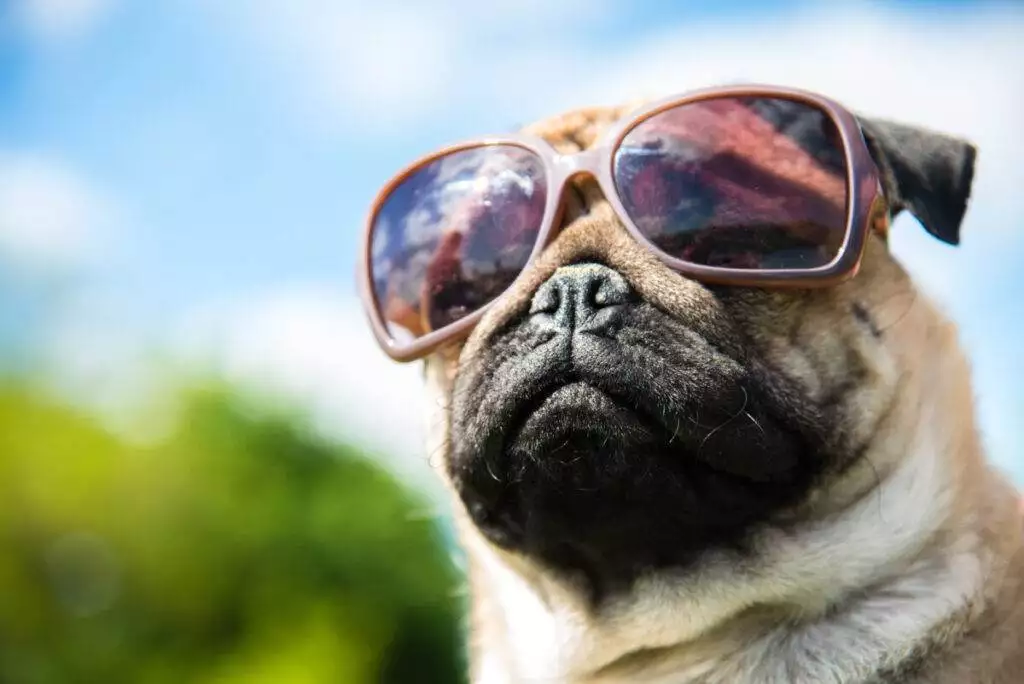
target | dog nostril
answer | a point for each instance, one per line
(546, 299)
(612, 291)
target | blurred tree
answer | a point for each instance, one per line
(239, 549)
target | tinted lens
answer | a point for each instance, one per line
(454, 234)
(737, 182)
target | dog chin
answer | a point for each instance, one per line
(574, 421)
(580, 464)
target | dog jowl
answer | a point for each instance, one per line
(699, 423)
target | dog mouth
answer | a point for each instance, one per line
(615, 456)
(558, 416)
(576, 414)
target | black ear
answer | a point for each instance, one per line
(927, 173)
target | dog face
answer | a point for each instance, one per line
(610, 421)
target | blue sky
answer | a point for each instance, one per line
(211, 162)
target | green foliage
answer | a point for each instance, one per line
(240, 548)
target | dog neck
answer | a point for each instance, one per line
(866, 594)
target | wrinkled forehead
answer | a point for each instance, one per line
(579, 129)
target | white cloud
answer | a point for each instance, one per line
(51, 219)
(96, 359)
(60, 20)
(305, 347)
(312, 345)
(351, 65)
(387, 63)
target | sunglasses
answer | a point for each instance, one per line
(752, 186)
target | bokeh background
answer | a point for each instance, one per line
(208, 473)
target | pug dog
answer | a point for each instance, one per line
(665, 474)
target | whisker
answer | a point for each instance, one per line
(906, 312)
(675, 433)
(742, 410)
(754, 420)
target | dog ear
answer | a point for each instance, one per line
(927, 173)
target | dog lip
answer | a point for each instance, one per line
(700, 403)
(635, 410)
(580, 403)
(555, 367)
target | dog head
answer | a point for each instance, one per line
(624, 441)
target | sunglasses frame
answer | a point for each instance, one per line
(866, 209)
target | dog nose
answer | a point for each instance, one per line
(580, 298)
